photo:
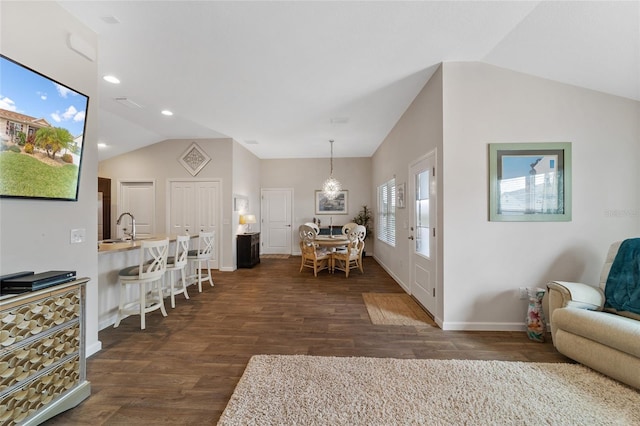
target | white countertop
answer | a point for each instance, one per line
(130, 245)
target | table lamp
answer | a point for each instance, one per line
(247, 219)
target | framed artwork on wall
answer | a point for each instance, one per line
(337, 206)
(240, 203)
(530, 182)
(194, 159)
(400, 194)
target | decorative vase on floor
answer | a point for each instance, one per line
(536, 326)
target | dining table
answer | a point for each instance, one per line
(331, 241)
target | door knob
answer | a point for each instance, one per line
(411, 237)
(289, 226)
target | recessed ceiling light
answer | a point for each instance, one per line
(167, 112)
(102, 145)
(111, 79)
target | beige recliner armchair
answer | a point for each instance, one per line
(586, 331)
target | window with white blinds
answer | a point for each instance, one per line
(387, 212)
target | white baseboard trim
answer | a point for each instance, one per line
(227, 269)
(483, 326)
(93, 349)
(108, 322)
(461, 326)
(394, 276)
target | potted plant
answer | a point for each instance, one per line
(364, 218)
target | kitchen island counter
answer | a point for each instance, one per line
(112, 257)
(116, 245)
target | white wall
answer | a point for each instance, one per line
(463, 108)
(246, 182)
(160, 162)
(35, 235)
(306, 175)
(487, 261)
(418, 132)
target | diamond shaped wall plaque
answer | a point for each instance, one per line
(194, 159)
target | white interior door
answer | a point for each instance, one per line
(207, 213)
(194, 207)
(276, 221)
(422, 202)
(139, 199)
(182, 211)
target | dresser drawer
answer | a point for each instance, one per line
(25, 361)
(37, 393)
(21, 321)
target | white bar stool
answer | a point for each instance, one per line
(204, 253)
(178, 262)
(147, 272)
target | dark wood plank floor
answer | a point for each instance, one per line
(183, 368)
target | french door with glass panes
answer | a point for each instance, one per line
(422, 202)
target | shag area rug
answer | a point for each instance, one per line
(395, 309)
(310, 390)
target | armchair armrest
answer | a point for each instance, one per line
(575, 295)
(563, 294)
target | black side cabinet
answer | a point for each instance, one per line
(248, 249)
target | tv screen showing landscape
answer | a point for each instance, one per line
(42, 127)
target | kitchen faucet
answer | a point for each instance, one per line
(133, 225)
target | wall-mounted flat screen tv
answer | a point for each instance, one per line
(42, 128)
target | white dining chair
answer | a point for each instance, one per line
(349, 257)
(314, 226)
(313, 257)
(348, 227)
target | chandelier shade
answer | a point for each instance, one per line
(331, 187)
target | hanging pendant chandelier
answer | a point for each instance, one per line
(331, 187)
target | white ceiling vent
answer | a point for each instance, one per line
(110, 19)
(127, 102)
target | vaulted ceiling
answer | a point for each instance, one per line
(282, 78)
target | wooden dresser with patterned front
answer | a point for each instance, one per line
(42, 353)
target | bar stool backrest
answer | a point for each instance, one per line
(153, 259)
(205, 245)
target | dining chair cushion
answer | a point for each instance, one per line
(352, 255)
(193, 253)
(130, 271)
(322, 253)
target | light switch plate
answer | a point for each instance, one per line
(78, 235)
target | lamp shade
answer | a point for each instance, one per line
(247, 219)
